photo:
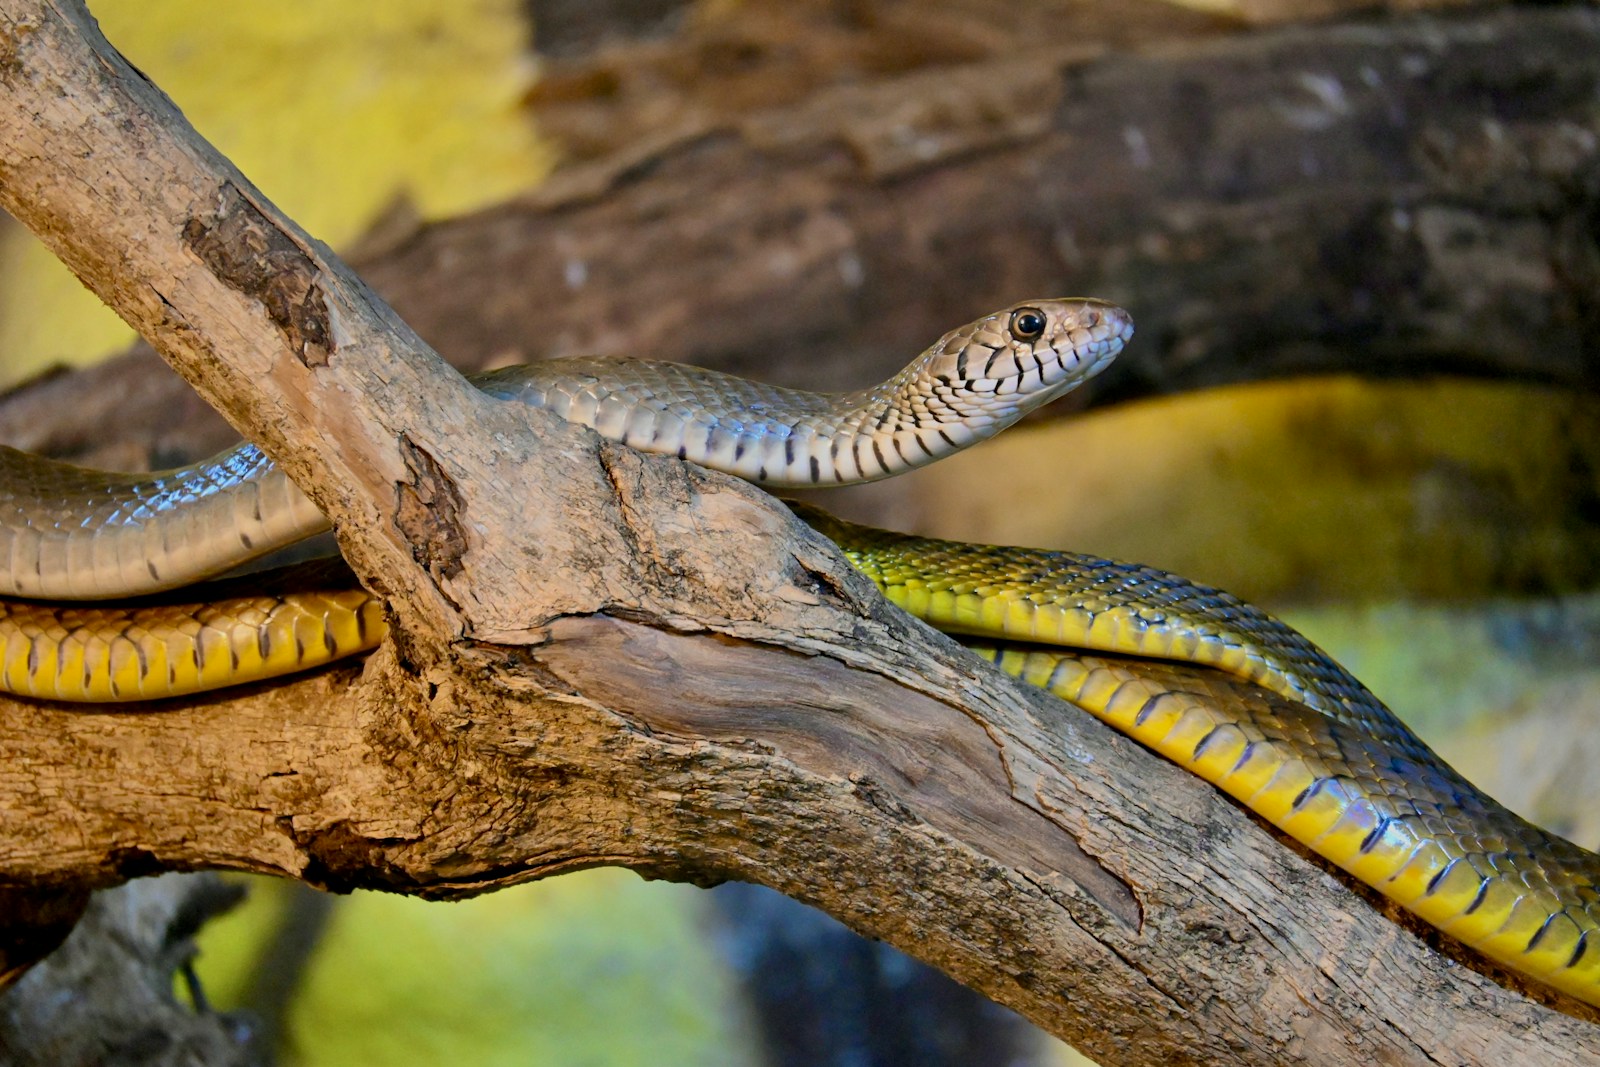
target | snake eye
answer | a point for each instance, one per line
(1027, 324)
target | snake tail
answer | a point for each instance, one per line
(1311, 750)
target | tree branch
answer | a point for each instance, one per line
(604, 658)
(107, 996)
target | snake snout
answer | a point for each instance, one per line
(1099, 324)
(1084, 337)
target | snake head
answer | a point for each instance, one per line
(991, 372)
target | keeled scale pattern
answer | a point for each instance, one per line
(1311, 751)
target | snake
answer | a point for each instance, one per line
(1305, 745)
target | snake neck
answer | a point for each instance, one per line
(969, 385)
(783, 438)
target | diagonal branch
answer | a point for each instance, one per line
(603, 658)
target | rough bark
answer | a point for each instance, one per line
(602, 658)
(1401, 196)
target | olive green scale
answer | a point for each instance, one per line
(1317, 755)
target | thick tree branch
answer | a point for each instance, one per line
(603, 658)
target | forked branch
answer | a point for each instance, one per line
(602, 658)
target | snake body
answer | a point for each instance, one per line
(75, 534)
(1311, 751)
(1331, 765)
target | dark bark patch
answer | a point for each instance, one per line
(11, 65)
(340, 859)
(428, 513)
(253, 256)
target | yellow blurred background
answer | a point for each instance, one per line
(339, 111)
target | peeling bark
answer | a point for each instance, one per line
(247, 252)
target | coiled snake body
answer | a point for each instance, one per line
(1330, 765)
